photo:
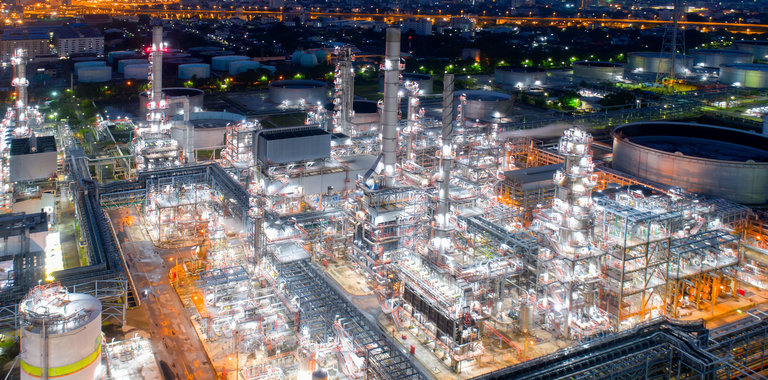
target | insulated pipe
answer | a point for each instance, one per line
(446, 161)
(389, 112)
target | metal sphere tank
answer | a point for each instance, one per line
(649, 62)
(485, 105)
(598, 71)
(758, 48)
(717, 57)
(194, 70)
(94, 74)
(706, 159)
(296, 92)
(195, 100)
(750, 75)
(519, 77)
(136, 71)
(60, 334)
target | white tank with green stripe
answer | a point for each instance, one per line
(72, 323)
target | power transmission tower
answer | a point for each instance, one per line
(673, 41)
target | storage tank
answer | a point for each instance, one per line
(308, 60)
(115, 56)
(526, 318)
(485, 105)
(208, 55)
(519, 78)
(197, 50)
(424, 81)
(717, 57)
(194, 70)
(597, 71)
(221, 63)
(648, 62)
(322, 55)
(210, 127)
(79, 65)
(94, 74)
(195, 100)
(759, 49)
(750, 75)
(296, 92)
(60, 334)
(136, 71)
(722, 162)
(242, 66)
(132, 61)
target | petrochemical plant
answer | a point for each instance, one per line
(424, 236)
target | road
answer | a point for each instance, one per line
(173, 338)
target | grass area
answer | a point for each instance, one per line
(368, 90)
(208, 154)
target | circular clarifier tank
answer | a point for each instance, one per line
(706, 159)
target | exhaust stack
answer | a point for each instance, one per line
(389, 112)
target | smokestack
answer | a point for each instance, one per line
(389, 112)
(446, 161)
(157, 62)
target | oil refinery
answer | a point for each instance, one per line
(437, 232)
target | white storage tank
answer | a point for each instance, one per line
(242, 66)
(136, 71)
(759, 49)
(745, 75)
(94, 74)
(121, 64)
(60, 334)
(115, 56)
(717, 57)
(485, 105)
(649, 62)
(308, 60)
(519, 78)
(221, 63)
(194, 70)
(296, 92)
(79, 65)
(210, 128)
(597, 71)
(195, 100)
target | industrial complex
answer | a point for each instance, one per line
(432, 233)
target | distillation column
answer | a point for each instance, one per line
(442, 240)
(20, 84)
(389, 114)
(344, 91)
(573, 213)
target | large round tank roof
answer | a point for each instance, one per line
(182, 60)
(61, 311)
(296, 84)
(747, 66)
(697, 140)
(212, 119)
(598, 64)
(725, 52)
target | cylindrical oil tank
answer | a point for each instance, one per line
(323, 56)
(79, 65)
(519, 77)
(208, 55)
(194, 70)
(308, 60)
(759, 49)
(649, 62)
(94, 74)
(221, 63)
(115, 56)
(717, 57)
(711, 160)
(597, 71)
(209, 128)
(485, 105)
(175, 62)
(749, 75)
(200, 49)
(425, 82)
(136, 71)
(526, 318)
(131, 61)
(296, 92)
(242, 66)
(175, 108)
(86, 58)
(61, 335)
